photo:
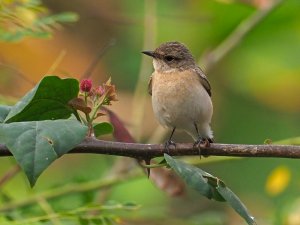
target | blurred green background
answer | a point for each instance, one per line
(256, 89)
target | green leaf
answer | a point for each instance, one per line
(4, 110)
(209, 186)
(193, 176)
(47, 100)
(35, 145)
(213, 181)
(235, 203)
(103, 128)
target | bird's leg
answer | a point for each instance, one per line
(198, 141)
(169, 142)
(201, 142)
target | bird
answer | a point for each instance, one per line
(181, 93)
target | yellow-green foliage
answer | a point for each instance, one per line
(23, 18)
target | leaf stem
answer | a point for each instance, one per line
(154, 165)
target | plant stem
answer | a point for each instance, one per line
(46, 207)
(70, 189)
(140, 93)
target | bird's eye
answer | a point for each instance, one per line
(169, 58)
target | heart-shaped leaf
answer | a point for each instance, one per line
(103, 128)
(36, 144)
(209, 186)
(48, 100)
(4, 110)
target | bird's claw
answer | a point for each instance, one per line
(201, 143)
(168, 144)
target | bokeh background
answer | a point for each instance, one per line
(255, 84)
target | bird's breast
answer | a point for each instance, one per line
(166, 85)
(179, 98)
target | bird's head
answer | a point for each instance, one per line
(170, 56)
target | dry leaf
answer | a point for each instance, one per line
(79, 104)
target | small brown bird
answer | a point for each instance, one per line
(181, 93)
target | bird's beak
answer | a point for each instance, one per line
(150, 53)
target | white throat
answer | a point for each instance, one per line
(162, 67)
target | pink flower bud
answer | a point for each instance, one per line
(85, 85)
(100, 91)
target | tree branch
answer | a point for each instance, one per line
(148, 151)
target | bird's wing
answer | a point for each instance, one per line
(203, 80)
(150, 85)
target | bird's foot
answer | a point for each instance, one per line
(202, 143)
(210, 140)
(168, 144)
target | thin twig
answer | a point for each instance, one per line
(236, 36)
(148, 151)
(94, 63)
(140, 95)
(57, 61)
(9, 174)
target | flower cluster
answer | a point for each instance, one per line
(91, 99)
(104, 93)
